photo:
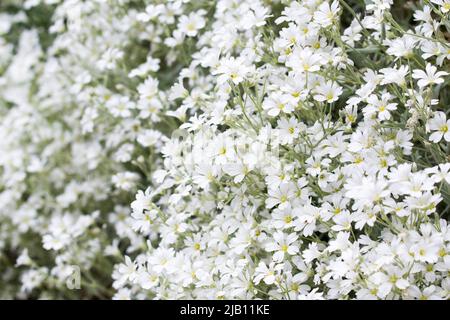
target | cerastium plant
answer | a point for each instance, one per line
(228, 149)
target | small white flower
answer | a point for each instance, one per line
(277, 103)
(444, 5)
(191, 24)
(326, 15)
(282, 245)
(440, 125)
(328, 92)
(234, 69)
(430, 77)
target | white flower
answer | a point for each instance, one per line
(283, 218)
(425, 251)
(394, 278)
(24, 259)
(367, 191)
(289, 130)
(307, 218)
(381, 107)
(440, 173)
(328, 91)
(149, 138)
(125, 180)
(191, 24)
(267, 274)
(162, 260)
(429, 77)
(277, 103)
(109, 59)
(147, 279)
(281, 162)
(444, 5)
(120, 106)
(401, 47)
(127, 272)
(122, 294)
(283, 244)
(440, 125)
(240, 169)
(281, 195)
(234, 69)
(394, 75)
(143, 201)
(428, 293)
(326, 15)
(304, 60)
(143, 222)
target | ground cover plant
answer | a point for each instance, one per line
(229, 149)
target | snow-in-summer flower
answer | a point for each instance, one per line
(225, 149)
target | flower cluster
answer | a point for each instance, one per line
(83, 91)
(266, 150)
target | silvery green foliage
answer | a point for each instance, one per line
(225, 149)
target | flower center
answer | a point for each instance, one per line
(190, 26)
